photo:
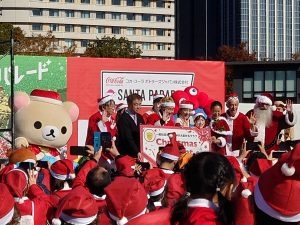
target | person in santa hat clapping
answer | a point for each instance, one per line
(220, 130)
(184, 114)
(155, 108)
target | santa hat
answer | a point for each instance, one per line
(125, 165)
(237, 169)
(154, 181)
(199, 114)
(277, 192)
(279, 103)
(168, 104)
(17, 180)
(46, 96)
(62, 169)
(157, 96)
(6, 206)
(105, 99)
(77, 207)
(22, 155)
(121, 106)
(232, 96)
(259, 166)
(126, 199)
(186, 105)
(265, 98)
(171, 151)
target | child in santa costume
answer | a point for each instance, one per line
(164, 117)
(220, 130)
(200, 120)
(102, 121)
(276, 194)
(209, 181)
(29, 198)
(155, 108)
(184, 113)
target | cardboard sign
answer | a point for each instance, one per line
(154, 137)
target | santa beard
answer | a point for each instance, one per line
(263, 117)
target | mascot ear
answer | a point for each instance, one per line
(21, 100)
(72, 110)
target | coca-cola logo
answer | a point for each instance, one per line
(115, 80)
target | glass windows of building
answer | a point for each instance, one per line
(85, 29)
(146, 31)
(116, 2)
(160, 4)
(130, 16)
(54, 27)
(100, 30)
(116, 16)
(161, 46)
(116, 30)
(160, 32)
(146, 3)
(100, 15)
(69, 13)
(130, 31)
(69, 1)
(160, 18)
(85, 14)
(130, 2)
(282, 84)
(53, 0)
(146, 17)
(37, 12)
(85, 1)
(69, 28)
(37, 26)
(54, 12)
(84, 43)
(100, 2)
(69, 43)
(146, 46)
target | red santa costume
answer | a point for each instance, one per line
(156, 119)
(220, 129)
(33, 208)
(240, 127)
(150, 112)
(97, 125)
(201, 212)
(268, 133)
(6, 210)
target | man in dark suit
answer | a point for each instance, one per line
(129, 127)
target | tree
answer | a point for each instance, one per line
(35, 45)
(112, 47)
(296, 56)
(240, 53)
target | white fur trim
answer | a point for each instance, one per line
(167, 171)
(199, 114)
(7, 218)
(77, 221)
(159, 191)
(61, 176)
(246, 193)
(263, 99)
(168, 104)
(169, 156)
(96, 197)
(236, 98)
(124, 220)
(121, 107)
(20, 200)
(223, 142)
(185, 106)
(263, 206)
(201, 202)
(56, 221)
(105, 99)
(29, 160)
(40, 156)
(44, 99)
(157, 204)
(287, 171)
(244, 180)
(157, 96)
(291, 123)
(170, 135)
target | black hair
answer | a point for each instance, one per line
(133, 97)
(157, 100)
(206, 174)
(262, 218)
(215, 103)
(97, 180)
(57, 184)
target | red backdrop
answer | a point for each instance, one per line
(84, 84)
